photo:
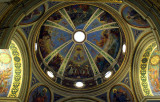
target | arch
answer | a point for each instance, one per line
(140, 84)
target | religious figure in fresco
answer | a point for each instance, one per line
(80, 14)
(120, 96)
(71, 71)
(85, 71)
(132, 14)
(106, 17)
(55, 17)
(45, 43)
(103, 40)
(55, 63)
(36, 12)
(78, 71)
(33, 16)
(78, 54)
(6, 72)
(154, 78)
(101, 63)
(74, 70)
(4, 75)
(40, 96)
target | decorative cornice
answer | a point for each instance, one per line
(107, 1)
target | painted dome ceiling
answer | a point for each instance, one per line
(86, 61)
(80, 50)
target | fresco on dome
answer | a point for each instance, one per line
(108, 40)
(51, 38)
(6, 72)
(114, 43)
(58, 18)
(120, 94)
(154, 72)
(78, 65)
(133, 18)
(105, 18)
(92, 51)
(101, 46)
(100, 61)
(93, 25)
(80, 14)
(102, 19)
(33, 16)
(40, 94)
(56, 62)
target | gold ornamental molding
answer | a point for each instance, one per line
(18, 70)
(107, 1)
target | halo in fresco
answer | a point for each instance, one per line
(5, 58)
(40, 94)
(120, 93)
(34, 15)
(155, 60)
(154, 72)
(133, 17)
(75, 61)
